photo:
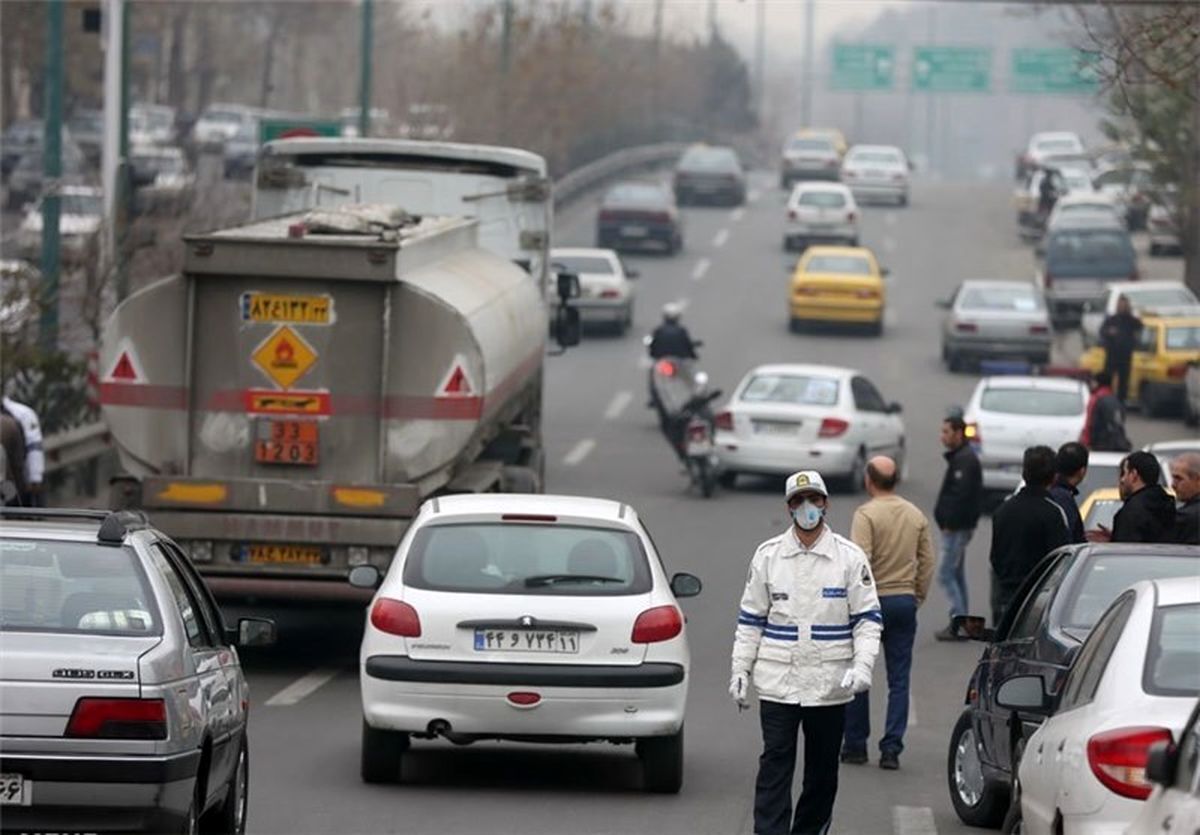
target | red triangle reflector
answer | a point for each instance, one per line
(124, 369)
(458, 382)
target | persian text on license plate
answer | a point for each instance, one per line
(15, 790)
(285, 554)
(565, 641)
(633, 231)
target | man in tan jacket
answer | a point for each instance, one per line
(898, 542)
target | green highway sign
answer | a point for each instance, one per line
(952, 69)
(862, 67)
(271, 129)
(1054, 70)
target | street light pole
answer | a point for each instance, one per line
(806, 85)
(364, 73)
(51, 173)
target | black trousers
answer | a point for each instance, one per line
(1119, 366)
(781, 726)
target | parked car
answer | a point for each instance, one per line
(25, 181)
(151, 124)
(221, 122)
(877, 172)
(1040, 634)
(162, 178)
(1008, 414)
(820, 213)
(1160, 361)
(121, 692)
(606, 293)
(87, 130)
(81, 214)
(783, 418)
(1147, 298)
(1084, 256)
(637, 214)
(1044, 145)
(1130, 185)
(995, 319)
(806, 157)
(1164, 232)
(709, 174)
(1132, 685)
(525, 617)
(1174, 768)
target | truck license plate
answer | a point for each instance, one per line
(564, 641)
(15, 790)
(284, 554)
(287, 442)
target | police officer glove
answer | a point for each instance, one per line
(856, 681)
(739, 689)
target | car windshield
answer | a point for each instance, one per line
(1173, 653)
(75, 587)
(592, 264)
(845, 264)
(527, 558)
(793, 389)
(646, 194)
(884, 157)
(1098, 252)
(1183, 338)
(823, 199)
(1020, 299)
(709, 159)
(1106, 575)
(81, 204)
(811, 144)
(1029, 401)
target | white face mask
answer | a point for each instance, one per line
(808, 515)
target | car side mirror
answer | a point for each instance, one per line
(256, 632)
(567, 329)
(1161, 763)
(365, 577)
(1027, 693)
(972, 627)
(685, 585)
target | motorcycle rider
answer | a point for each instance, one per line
(669, 340)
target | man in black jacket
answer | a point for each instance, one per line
(959, 503)
(1185, 479)
(1148, 514)
(1071, 464)
(1025, 528)
(1119, 335)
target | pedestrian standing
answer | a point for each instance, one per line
(959, 504)
(1148, 512)
(35, 456)
(1104, 425)
(1185, 479)
(1071, 464)
(1025, 528)
(12, 442)
(1119, 334)
(807, 636)
(898, 542)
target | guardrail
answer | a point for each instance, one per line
(84, 443)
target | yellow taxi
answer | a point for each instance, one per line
(832, 134)
(842, 284)
(1160, 362)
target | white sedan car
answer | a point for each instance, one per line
(877, 172)
(1132, 685)
(1175, 804)
(783, 418)
(820, 213)
(527, 618)
(1008, 414)
(605, 292)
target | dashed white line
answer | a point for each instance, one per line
(620, 400)
(301, 688)
(913, 820)
(579, 452)
(700, 269)
(720, 238)
(737, 214)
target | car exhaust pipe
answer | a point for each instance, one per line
(440, 727)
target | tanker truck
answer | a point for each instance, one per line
(283, 406)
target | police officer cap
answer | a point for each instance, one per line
(805, 481)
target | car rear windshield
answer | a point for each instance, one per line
(825, 145)
(845, 264)
(710, 159)
(1183, 338)
(1041, 402)
(593, 265)
(528, 559)
(1021, 299)
(636, 193)
(888, 157)
(824, 199)
(1173, 655)
(799, 390)
(1089, 252)
(74, 587)
(1105, 576)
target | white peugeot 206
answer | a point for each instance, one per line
(528, 618)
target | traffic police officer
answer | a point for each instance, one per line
(807, 636)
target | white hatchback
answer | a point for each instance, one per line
(783, 418)
(820, 213)
(529, 618)
(1132, 685)
(1008, 414)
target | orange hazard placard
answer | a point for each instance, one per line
(284, 357)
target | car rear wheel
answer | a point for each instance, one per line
(230, 817)
(382, 754)
(662, 762)
(977, 800)
(727, 479)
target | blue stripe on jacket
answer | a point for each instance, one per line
(871, 614)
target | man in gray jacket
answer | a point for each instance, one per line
(807, 636)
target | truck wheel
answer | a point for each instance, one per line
(662, 762)
(977, 800)
(382, 754)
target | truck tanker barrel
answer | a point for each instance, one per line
(284, 405)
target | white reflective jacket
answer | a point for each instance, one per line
(807, 616)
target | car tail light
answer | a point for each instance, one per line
(966, 327)
(396, 618)
(866, 293)
(1118, 758)
(832, 427)
(1039, 330)
(528, 517)
(118, 719)
(724, 421)
(662, 623)
(665, 367)
(851, 217)
(1177, 371)
(610, 294)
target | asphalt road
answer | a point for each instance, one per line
(732, 274)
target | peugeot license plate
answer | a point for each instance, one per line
(562, 641)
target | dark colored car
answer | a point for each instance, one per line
(1040, 634)
(87, 129)
(19, 139)
(1084, 256)
(709, 174)
(25, 181)
(639, 214)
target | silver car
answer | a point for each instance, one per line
(995, 319)
(122, 699)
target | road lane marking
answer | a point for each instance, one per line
(891, 219)
(700, 269)
(579, 452)
(301, 688)
(737, 214)
(913, 820)
(720, 238)
(620, 400)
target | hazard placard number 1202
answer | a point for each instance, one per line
(287, 442)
